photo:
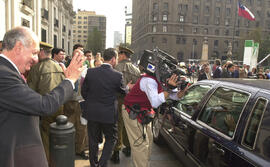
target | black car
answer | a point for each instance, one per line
(218, 123)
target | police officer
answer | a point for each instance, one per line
(44, 77)
(130, 73)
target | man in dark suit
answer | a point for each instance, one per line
(228, 73)
(99, 90)
(20, 141)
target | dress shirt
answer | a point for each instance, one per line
(150, 87)
(14, 65)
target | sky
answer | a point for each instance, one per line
(114, 10)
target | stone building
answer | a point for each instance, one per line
(180, 26)
(49, 19)
(84, 23)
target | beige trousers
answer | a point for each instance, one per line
(140, 148)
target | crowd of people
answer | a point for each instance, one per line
(39, 82)
(226, 70)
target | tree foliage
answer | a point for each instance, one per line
(94, 41)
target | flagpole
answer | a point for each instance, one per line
(235, 18)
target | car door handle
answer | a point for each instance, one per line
(220, 150)
(183, 126)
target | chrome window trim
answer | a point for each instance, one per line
(185, 114)
(259, 127)
(236, 126)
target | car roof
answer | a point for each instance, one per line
(255, 83)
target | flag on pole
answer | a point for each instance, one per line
(245, 12)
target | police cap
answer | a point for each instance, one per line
(45, 46)
(125, 50)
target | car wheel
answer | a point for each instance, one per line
(156, 128)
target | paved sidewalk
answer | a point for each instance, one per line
(161, 157)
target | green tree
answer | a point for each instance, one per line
(94, 41)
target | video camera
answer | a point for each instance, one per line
(162, 65)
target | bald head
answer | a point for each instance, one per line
(22, 34)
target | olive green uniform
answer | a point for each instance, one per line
(43, 77)
(130, 73)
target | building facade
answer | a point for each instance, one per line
(84, 23)
(179, 27)
(49, 19)
(117, 39)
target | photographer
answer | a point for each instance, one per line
(147, 93)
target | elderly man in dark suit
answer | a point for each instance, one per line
(20, 141)
(99, 90)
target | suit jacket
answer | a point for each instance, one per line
(20, 141)
(99, 89)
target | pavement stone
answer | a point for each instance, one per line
(161, 156)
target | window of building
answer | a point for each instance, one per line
(79, 26)
(79, 17)
(181, 29)
(74, 31)
(25, 23)
(84, 31)
(259, 2)
(227, 32)
(180, 56)
(229, 1)
(79, 22)
(195, 42)
(226, 42)
(236, 44)
(184, 41)
(247, 23)
(205, 31)
(55, 40)
(63, 43)
(85, 17)
(181, 18)
(217, 11)
(153, 39)
(154, 28)
(237, 33)
(43, 35)
(155, 17)
(196, 8)
(178, 40)
(250, 2)
(194, 30)
(155, 6)
(254, 122)
(217, 20)
(164, 40)
(228, 12)
(223, 103)
(259, 13)
(79, 36)
(79, 40)
(164, 17)
(257, 24)
(195, 19)
(85, 22)
(85, 27)
(238, 23)
(216, 43)
(164, 29)
(79, 31)
(166, 6)
(227, 22)
(217, 32)
(206, 19)
(207, 10)
(183, 8)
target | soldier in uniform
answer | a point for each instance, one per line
(44, 77)
(130, 73)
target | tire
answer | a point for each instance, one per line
(156, 128)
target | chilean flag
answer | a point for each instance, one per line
(245, 12)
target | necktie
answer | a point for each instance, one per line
(23, 78)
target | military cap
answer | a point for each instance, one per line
(44, 45)
(125, 50)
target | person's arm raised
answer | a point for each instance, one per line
(75, 68)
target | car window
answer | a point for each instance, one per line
(223, 110)
(254, 122)
(189, 102)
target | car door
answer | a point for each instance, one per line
(182, 114)
(219, 119)
(255, 138)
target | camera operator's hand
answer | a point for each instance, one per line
(181, 93)
(173, 80)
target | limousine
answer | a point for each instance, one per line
(218, 123)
